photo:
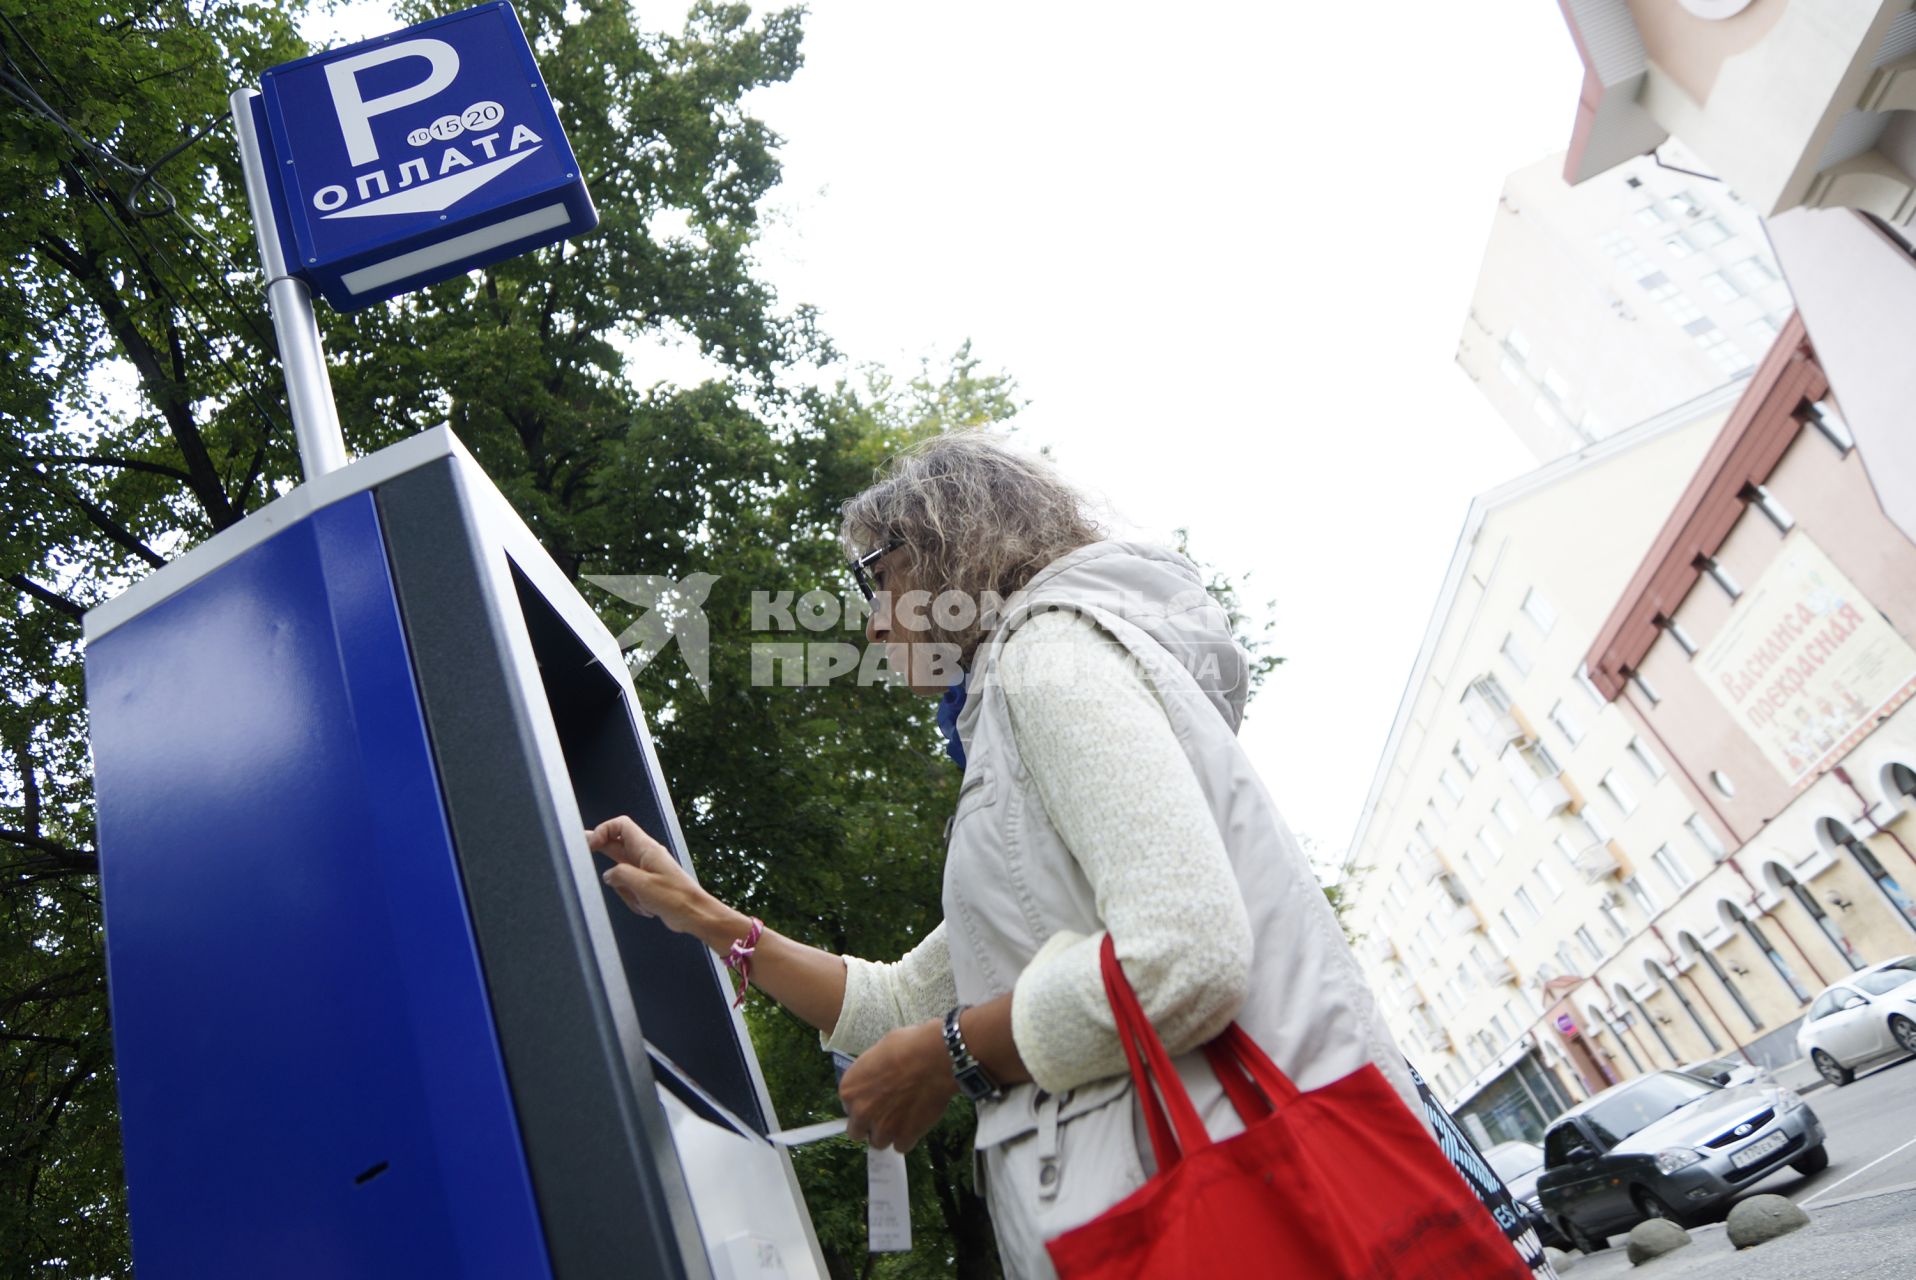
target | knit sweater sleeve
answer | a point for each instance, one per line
(882, 996)
(1119, 789)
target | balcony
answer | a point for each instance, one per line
(1487, 707)
(1598, 861)
(1497, 970)
(1461, 919)
(1537, 778)
(1426, 866)
(1382, 948)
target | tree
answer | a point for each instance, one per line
(140, 413)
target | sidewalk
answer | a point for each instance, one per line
(1800, 1076)
(1867, 1237)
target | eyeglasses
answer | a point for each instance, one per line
(861, 568)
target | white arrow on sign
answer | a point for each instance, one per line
(439, 194)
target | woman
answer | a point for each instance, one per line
(1104, 790)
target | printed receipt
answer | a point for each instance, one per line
(888, 1209)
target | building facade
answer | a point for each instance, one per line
(1603, 304)
(1767, 648)
(1510, 837)
(1807, 109)
(1648, 789)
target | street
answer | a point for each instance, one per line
(1860, 1207)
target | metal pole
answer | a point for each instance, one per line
(309, 390)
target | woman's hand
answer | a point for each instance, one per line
(899, 1087)
(646, 875)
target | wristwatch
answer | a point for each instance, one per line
(973, 1080)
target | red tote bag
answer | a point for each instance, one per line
(1341, 1183)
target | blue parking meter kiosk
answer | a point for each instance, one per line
(374, 1013)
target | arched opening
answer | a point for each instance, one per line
(1628, 998)
(1688, 941)
(1660, 974)
(1597, 1016)
(1780, 876)
(1734, 917)
(1841, 837)
(1899, 782)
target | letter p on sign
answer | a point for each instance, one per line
(355, 113)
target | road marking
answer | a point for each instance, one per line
(1865, 1169)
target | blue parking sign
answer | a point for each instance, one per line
(405, 160)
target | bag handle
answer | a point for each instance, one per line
(1254, 1084)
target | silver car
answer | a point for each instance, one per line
(1667, 1145)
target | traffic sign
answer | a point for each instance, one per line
(405, 160)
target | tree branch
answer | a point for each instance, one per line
(46, 597)
(63, 856)
(111, 460)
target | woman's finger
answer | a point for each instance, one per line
(618, 839)
(626, 881)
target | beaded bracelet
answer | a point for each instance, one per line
(739, 959)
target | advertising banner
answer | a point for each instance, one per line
(1805, 664)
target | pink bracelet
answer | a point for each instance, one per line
(739, 959)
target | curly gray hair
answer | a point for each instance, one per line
(975, 515)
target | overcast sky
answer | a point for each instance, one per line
(1225, 250)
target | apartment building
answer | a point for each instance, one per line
(1520, 829)
(1764, 649)
(1601, 305)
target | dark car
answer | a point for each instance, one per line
(1667, 1145)
(1519, 1164)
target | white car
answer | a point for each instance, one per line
(1866, 1017)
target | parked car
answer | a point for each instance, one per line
(1518, 1164)
(1867, 1017)
(1667, 1145)
(1727, 1071)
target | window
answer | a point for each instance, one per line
(1640, 896)
(1589, 687)
(1567, 848)
(1554, 386)
(1517, 345)
(1613, 918)
(1723, 286)
(1488, 838)
(1510, 925)
(1823, 415)
(1552, 887)
(1672, 628)
(1420, 840)
(1705, 837)
(1716, 573)
(1399, 891)
(1464, 759)
(1673, 870)
(1566, 723)
(1518, 657)
(1567, 959)
(1685, 205)
(1645, 760)
(1645, 688)
(1721, 781)
(1473, 864)
(1538, 610)
(1620, 795)
(1528, 904)
(1593, 825)
(1752, 275)
(1588, 941)
(1705, 233)
(1650, 216)
(1505, 815)
(1448, 781)
(1763, 500)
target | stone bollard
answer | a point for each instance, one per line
(1762, 1218)
(1559, 1260)
(1654, 1238)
